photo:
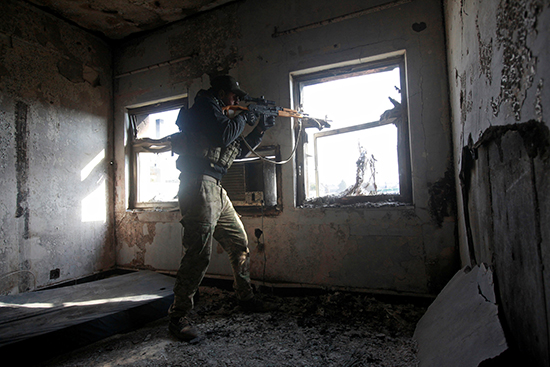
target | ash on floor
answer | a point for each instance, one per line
(328, 329)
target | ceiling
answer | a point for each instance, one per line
(117, 19)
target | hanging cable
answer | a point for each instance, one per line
(272, 161)
(259, 232)
(20, 271)
(263, 233)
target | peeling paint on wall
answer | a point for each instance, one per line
(516, 20)
(485, 54)
(54, 121)
(22, 165)
(538, 101)
(134, 233)
(502, 146)
(369, 246)
(76, 72)
(442, 202)
(71, 70)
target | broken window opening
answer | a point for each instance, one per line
(154, 176)
(364, 155)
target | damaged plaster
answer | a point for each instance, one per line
(214, 46)
(308, 245)
(76, 72)
(516, 21)
(119, 19)
(442, 202)
(485, 54)
(498, 51)
(538, 101)
(137, 235)
(22, 164)
(55, 93)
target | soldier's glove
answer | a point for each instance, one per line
(266, 122)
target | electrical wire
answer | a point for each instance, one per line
(263, 202)
(20, 271)
(263, 234)
(277, 162)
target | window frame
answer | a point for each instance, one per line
(148, 145)
(329, 73)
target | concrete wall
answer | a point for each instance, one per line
(406, 249)
(55, 116)
(499, 71)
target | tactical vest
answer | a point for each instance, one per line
(197, 145)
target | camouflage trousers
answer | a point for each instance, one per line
(208, 213)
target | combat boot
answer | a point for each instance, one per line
(182, 329)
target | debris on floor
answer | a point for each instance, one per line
(322, 329)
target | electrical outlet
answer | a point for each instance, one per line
(55, 273)
(254, 197)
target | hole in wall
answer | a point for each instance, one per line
(419, 27)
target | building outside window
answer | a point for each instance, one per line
(364, 155)
(154, 176)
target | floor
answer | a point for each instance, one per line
(308, 328)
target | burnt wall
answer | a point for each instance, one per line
(55, 116)
(498, 68)
(407, 249)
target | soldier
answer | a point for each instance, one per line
(207, 144)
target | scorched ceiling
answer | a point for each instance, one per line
(117, 19)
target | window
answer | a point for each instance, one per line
(364, 155)
(153, 172)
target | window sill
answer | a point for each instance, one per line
(166, 214)
(355, 202)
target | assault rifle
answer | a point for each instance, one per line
(263, 108)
